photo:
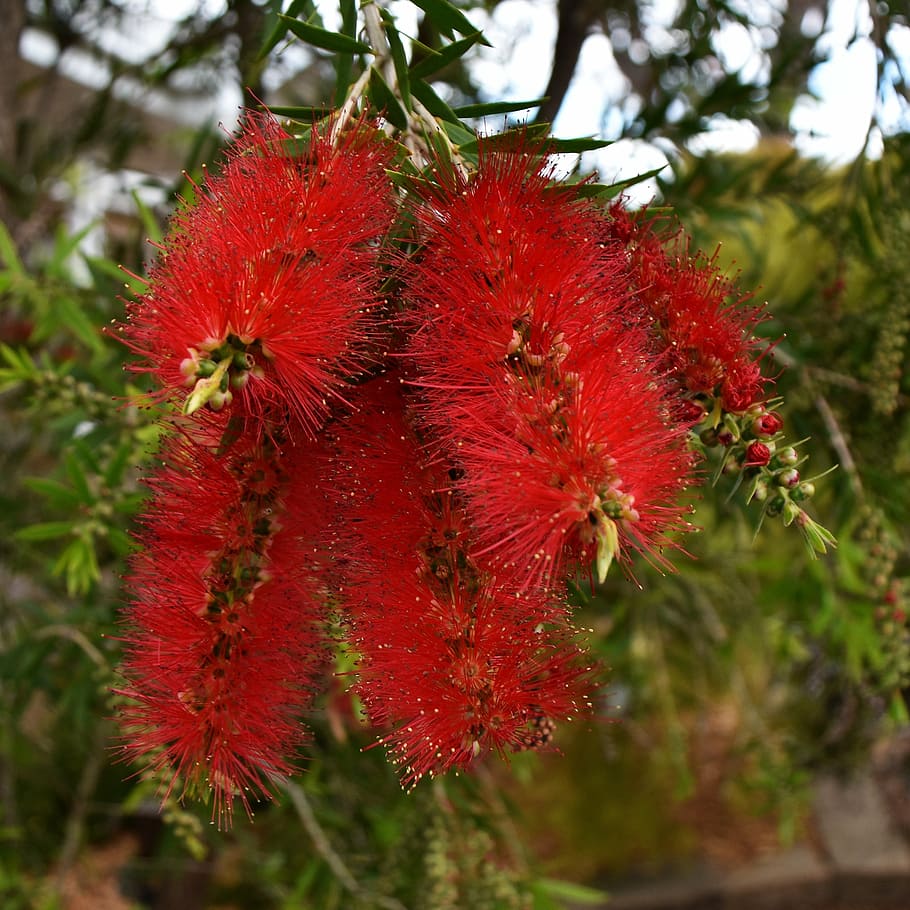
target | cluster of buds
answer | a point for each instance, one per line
(422, 468)
(753, 449)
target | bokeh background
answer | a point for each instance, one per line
(753, 712)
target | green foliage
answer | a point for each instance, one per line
(813, 657)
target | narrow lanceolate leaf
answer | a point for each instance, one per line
(78, 565)
(581, 144)
(460, 135)
(344, 65)
(384, 99)
(514, 140)
(432, 102)
(70, 314)
(303, 113)
(608, 191)
(492, 108)
(280, 29)
(399, 57)
(58, 494)
(147, 216)
(8, 252)
(517, 138)
(23, 367)
(322, 38)
(436, 59)
(448, 18)
(45, 530)
(76, 473)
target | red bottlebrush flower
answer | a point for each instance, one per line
(508, 263)
(757, 454)
(577, 471)
(530, 373)
(264, 286)
(452, 658)
(696, 316)
(223, 644)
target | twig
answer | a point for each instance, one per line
(61, 630)
(372, 18)
(840, 445)
(75, 823)
(426, 118)
(327, 852)
(350, 104)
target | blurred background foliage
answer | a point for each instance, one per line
(728, 686)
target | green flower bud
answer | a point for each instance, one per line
(803, 491)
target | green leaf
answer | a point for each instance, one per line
(614, 189)
(570, 891)
(65, 244)
(21, 363)
(496, 107)
(433, 103)
(79, 566)
(45, 530)
(121, 543)
(280, 29)
(604, 190)
(303, 113)
(99, 266)
(58, 494)
(113, 473)
(442, 57)
(581, 144)
(76, 474)
(384, 99)
(448, 19)
(149, 221)
(459, 134)
(514, 140)
(329, 41)
(344, 64)
(897, 709)
(8, 252)
(72, 317)
(399, 57)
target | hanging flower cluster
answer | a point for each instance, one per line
(415, 412)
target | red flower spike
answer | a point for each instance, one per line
(452, 659)
(509, 265)
(577, 472)
(223, 643)
(532, 376)
(262, 296)
(697, 317)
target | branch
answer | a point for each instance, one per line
(321, 842)
(575, 20)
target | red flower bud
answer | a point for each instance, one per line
(767, 424)
(757, 454)
(788, 478)
(690, 412)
